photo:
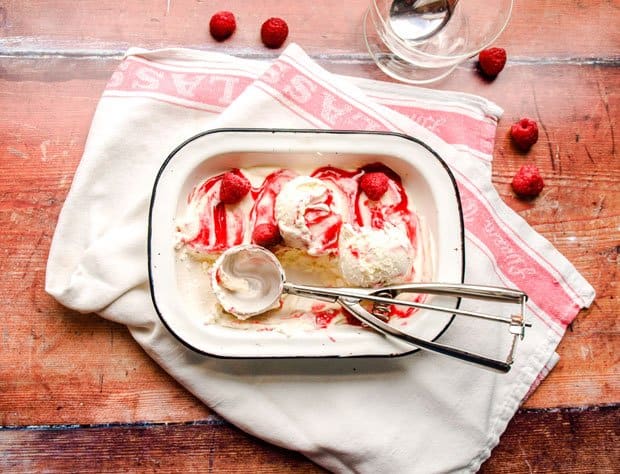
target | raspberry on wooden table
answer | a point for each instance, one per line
(491, 61)
(273, 32)
(524, 133)
(222, 25)
(528, 182)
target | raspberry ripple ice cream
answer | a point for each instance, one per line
(369, 257)
(309, 215)
(332, 233)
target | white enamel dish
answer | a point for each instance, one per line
(424, 174)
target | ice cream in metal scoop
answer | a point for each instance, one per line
(248, 280)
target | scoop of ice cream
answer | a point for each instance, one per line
(308, 215)
(371, 257)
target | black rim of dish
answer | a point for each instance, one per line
(295, 131)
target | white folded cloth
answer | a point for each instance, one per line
(418, 413)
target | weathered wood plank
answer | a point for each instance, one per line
(586, 31)
(61, 367)
(535, 441)
(202, 447)
(567, 441)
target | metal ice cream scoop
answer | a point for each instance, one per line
(248, 280)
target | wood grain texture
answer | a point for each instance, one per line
(567, 441)
(588, 29)
(560, 441)
(208, 447)
(48, 348)
(60, 367)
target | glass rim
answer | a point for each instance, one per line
(394, 39)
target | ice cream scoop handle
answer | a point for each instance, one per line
(332, 295)
(321, 293)
(459, 289)
(354, 307)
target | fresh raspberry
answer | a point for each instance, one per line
(274, 32)
(234, 187)
(528, 182)
(222, 25)
(266, 235)
(491, 61)
(374, 184)
(524, 133)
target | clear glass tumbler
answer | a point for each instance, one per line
(419, 48)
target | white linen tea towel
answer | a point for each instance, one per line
(419, 413)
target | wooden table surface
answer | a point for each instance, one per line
(77, 393)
